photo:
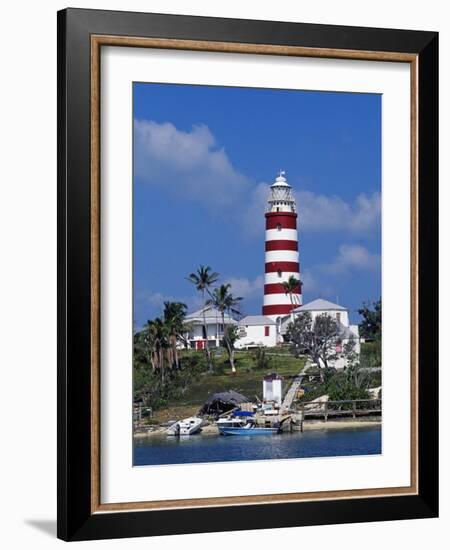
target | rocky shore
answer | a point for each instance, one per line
(211, 429)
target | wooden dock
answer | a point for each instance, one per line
(292, 391)
(324, 410)
(282, 421)
(294, 419)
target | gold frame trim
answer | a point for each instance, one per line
(97, 41)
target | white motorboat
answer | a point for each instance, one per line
(187, 426)
(230, 422)
(237, 419)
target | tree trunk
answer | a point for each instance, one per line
(316, 359)
(161, 362)
(228, 345)
(233, 368)
(175, 352)
(208, 353)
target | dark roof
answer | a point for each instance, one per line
(273, 376)
(223, 400)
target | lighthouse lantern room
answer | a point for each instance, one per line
(281, 258)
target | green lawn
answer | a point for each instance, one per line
(247, 381)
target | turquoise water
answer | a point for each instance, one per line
(211, 448)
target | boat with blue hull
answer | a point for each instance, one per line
(249, 429)
(243, 423)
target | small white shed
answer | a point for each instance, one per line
(273, 388)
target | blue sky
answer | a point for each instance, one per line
(203, 160)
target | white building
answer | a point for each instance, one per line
(214, 328)
(256, 331)
(273, 388)
(347, 331)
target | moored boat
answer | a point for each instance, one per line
(243, 424)
(230, 422)
(235, 419)
(187, 426)
(248, 429)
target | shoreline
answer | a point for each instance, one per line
(339, 424)
(211, 429)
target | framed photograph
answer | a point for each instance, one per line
(247, 262)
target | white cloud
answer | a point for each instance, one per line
(156, 299)
(190, 164)
(252, 217)
(151, 304)
(309, 281)
(324, 280)
(318, 212)
(246, 288)
(315, 285)
(321, 212)
(352, 257)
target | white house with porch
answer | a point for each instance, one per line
(212, 317)
(256, 331)
(262, 331)
(347, 331)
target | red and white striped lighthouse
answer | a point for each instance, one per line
(281, 250)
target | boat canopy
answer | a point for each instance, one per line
(222, 402)
(243, 413)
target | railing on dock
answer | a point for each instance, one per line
(352, 408)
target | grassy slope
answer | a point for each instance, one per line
(248, 381)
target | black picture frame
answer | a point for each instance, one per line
(75, 518)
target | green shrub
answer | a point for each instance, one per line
(260, 358)
(370, 354)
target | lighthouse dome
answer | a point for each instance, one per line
(281, 198)
(280, 181)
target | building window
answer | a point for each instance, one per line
(278, 226)
(266, 331)
(280, 273)
(338, 317)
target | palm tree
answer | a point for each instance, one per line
(223, 300)
(203, 279)
(141, 349)
(290, 287)
(157, 343)
(149, 343)
(174, 314)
